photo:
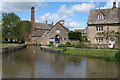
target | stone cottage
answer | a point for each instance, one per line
(103, 20)
(44, 33)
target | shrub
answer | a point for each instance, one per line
(61, 45)
(81, 46)
(51, 44)
(68, 44)
(117, 55)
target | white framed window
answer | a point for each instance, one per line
(99, 28)
(57, 30)
(101, 16)
(99, 40)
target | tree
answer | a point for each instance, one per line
(22, 30)
(10, 20)
(75, 35)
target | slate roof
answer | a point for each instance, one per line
(38, 33)
(43, 26)
(111, 15)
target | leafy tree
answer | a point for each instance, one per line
(10, 20)
(75, 35)
(22, 30)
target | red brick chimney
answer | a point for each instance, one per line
(33, 18)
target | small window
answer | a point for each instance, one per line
(57, 31)
(99, 28)
(101, 16)
(99, 40)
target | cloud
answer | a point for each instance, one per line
(109, 4)
(65, 13)
(84, 7)
(49, 17)
(19, 6)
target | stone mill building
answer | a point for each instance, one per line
(45, 33)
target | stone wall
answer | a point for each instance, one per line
(74, 42)
(116, 45)
(92, 33)
(97, 45)
(12, 48)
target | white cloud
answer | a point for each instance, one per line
(65, 12)
(19, 6)
(109, 4)
(49, 17)
(84, 7)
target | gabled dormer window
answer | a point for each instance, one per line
(100, 16)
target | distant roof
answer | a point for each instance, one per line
(43, 26)
(111, 15)
(38, 33)
(80, 30)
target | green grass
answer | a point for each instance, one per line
(108, 55)
(10, 44)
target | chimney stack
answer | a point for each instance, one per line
(52, 23)
(46, 22)
(114, 4)
(33, 18)
(62, 22)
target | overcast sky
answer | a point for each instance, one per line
(75, 14)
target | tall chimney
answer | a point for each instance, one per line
(114, 4)
(33, 18)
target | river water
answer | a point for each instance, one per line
(33, 62)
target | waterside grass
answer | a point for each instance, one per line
(109, 55)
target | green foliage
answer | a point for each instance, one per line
(68, 44)
(117, 55)
(61, 45)
(10, 20)
(22, 30)
(51, 44)
(81, 45)
(75, 35)
(118, 42)
(13, 28)
(103, 54)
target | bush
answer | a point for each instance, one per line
(51, 44)
(117, 55)
(80, 46)
(61, 45)
(68, 44)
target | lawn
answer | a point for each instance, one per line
(10, 44)
(92, 53)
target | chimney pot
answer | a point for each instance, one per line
(52, 22)
(46, 22)
(114, 4)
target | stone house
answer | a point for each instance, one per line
(83, 31)
(44, 33)
(103, 20)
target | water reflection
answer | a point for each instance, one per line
(27, 63)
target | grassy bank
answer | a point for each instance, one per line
(108, 55)
(10, 44)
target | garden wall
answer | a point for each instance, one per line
(12, 48)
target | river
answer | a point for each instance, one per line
(33, 62)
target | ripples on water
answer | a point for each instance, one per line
(42, 64)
